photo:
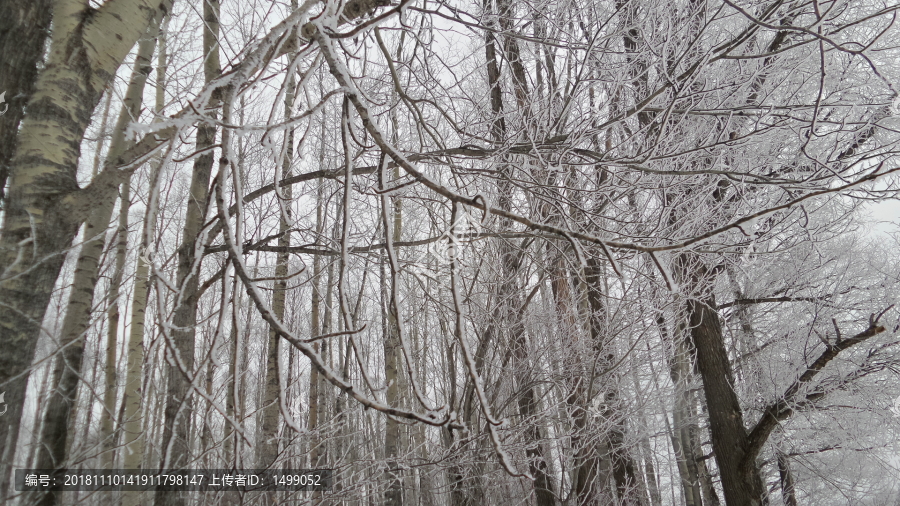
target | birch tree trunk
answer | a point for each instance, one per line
(107, 428)
(134, 436)
(45, 207)
(69, 367)
(133, 102)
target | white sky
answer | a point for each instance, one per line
(885, 216)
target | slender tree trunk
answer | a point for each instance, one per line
(234, 371)
(786, 479)
(315, 442)
(325, 411)
(596, 459)
(272, 396)
(179, 406)
(134, 434)
(316, 388)
(509, 308)
(649, 467)
(231, 401)
(680, 372)
(206, 431)
(393, 441)
(392, 350)
(153, 434)
(592, 464)
(107, 428)
(458, 494)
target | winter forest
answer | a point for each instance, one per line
(502, 252)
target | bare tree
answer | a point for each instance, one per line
(534, 252)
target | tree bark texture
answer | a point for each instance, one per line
(134, 434)
(70, 366)
(24, 26)
(44, 206)
(741, 482)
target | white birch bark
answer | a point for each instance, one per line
(58, 423)
(44, 206)
(132, 400)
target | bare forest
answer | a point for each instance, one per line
(542, 253)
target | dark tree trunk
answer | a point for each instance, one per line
(739, 474)
(509, 310)
(24, 25)
(787, 480)
(595, 461)
(179, 406)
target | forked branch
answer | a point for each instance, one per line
(785, 405)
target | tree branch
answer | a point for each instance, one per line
(784, 407)
(763, 300)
